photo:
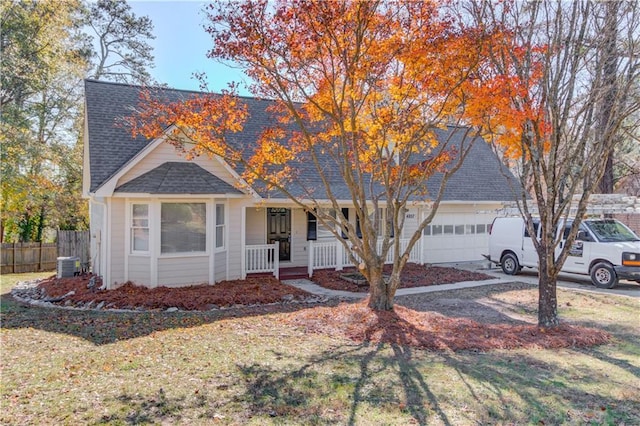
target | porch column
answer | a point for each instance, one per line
(276, 259)
(339, 255)
(243, 243)
(423, 245)
(310, 260)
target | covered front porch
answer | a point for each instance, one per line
(282, 240)
(265, 258)
(285, 239)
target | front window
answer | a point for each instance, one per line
(608, 231)
(183, 227)
(323, 231)
(220, 219)
(140, 228)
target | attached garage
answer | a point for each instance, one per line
(458, 233)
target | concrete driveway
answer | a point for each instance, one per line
(571, 281)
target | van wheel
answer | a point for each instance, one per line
(603, 276)
(509, 264)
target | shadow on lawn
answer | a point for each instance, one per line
(499, 387)
(345, 383)
(337, 385)
(530, 388)
(105, 327)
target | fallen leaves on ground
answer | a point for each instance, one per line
(252, 291)
(430, 330)
(355, 321)
(413, 275)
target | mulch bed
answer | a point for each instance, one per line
(412, 275)
(355, 321)
(251, 291)
(430, 330)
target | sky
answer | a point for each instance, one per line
(181, 45)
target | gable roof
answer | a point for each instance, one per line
(177, 178)
(111, 146)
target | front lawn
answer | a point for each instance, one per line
(7, 281)
(246, 366)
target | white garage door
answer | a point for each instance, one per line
(457, 237)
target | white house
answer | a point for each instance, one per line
(158, 219)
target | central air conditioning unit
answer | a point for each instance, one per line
(68, 266)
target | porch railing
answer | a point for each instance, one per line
(332, 255)
(262, 258)
(325, 255)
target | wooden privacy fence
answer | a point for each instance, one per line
(28, 257)
(74, 243)
(34, 257)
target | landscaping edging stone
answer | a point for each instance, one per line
(29, 293)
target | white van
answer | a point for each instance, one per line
(605, 249)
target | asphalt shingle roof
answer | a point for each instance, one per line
(178, 178)
(111, 146)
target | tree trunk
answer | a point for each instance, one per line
(547, 297)
(606, 183)
(604, 124)
(381, 292)
(40, 228)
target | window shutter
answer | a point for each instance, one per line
(312, 227)
(358, 230)
(345, 213)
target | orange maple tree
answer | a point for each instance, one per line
(360, 91)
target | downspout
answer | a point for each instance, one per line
(99, 246)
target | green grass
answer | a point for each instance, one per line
(7, 281)
(73, 367)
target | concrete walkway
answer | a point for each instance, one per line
(566, 281)
(311, 287)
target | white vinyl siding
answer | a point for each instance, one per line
(165, 152)
(220, 266)
(234, 246)
(182, 271)
(97, 237)
(256, 228)
(324, 232)
(411, 223)
(139, 269)
(299, 254)
(117, 243)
